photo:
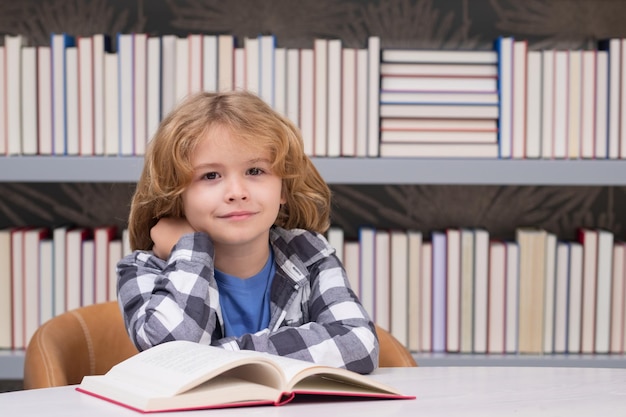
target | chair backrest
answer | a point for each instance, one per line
(90, 340)
(85, 341)
(392, 352)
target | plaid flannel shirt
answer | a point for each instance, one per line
(315, 316)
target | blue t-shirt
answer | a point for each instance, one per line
(246, 302)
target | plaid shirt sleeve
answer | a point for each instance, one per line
(316, 316)
(173, 299)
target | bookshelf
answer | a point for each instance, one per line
(346, 170)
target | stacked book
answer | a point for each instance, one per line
(439, 103)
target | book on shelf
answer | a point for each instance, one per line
(382, 279)
(3, 120)
(182, 375)
(518, 122)
(13, 45)
(6, 320)
(460, 111)
(434, 136)
(453, 290)
(574, 95)
(439, 276)
(439, 70)
(439, 150)
(504, 51)
(438, 84)
(438, 97)
(399, 285)
(451, 125)
(450, 56)
(496, 307)
(466, 301)
(618, 299)
(512, 295)
(481, 290)
(334, 118)
(547, 103)
(574, 294)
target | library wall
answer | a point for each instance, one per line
(399, 23)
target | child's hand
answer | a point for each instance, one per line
(166, 233)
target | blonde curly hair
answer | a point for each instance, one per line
(167, 169)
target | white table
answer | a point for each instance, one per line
(440, 391)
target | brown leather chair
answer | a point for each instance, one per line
(90, 340)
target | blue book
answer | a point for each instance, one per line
(59, 42)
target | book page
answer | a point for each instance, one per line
(174, 367)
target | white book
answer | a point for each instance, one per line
(102, 237)
(252, 70)
(46, 280)
(307, 97)
(467, 291)
(399, 83)
(58, 241)
(496, 298)
(239, 69)
(125, 94)
(439, 56)
(547, 103)
(445, 136)
(111, 100)
(348, 102)
(439, 150)
(29, 117)
(72, 107)
(153, 86)
(293, 86)
(574, 105)
(17, 287)
(320, 101)
(444, 111)
(589, 240)
(615, 89)
(453, 290)
(168, 74)
(382, 279)
(74, 268)
(618, 299)
(267, 50)
(226, 46)
(195, 49)
(561, 84)
(140, 93)
(86, 95)
(468, 125)
(481, 289)
(439, 69)
(549, 290)
(335, 237)
(439, 321)
(280, 81)
(30, 284)
(512, 296)
(351, 264)
(601, 104)
(6, 303)
(505, 79)
(414, 288)
(182, 70)
(333, 108)
(209, 63)
(561, 297)
(373, 99)
(367, 237)
(622, 100)
(575, 291)
(59, 42)
(603, 292)
(101, 45)
(588, 103)
(88, 274)
(13, 72)
(3, 143)
(362, 107)
(425, 298)
(439, 97)
(533, 106)
(126, 249)
(399, 276)
(115, 254)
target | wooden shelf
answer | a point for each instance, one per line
(345, 170)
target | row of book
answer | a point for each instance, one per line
(45, 272)
(78, 96)
(81, 96)
(456, 290)
(459, 290)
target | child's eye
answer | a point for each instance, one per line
(210, 176)
(255, 171)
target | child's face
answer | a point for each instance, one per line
(233, 197)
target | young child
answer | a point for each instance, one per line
(226, 226)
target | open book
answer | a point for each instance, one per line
(182, 375)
